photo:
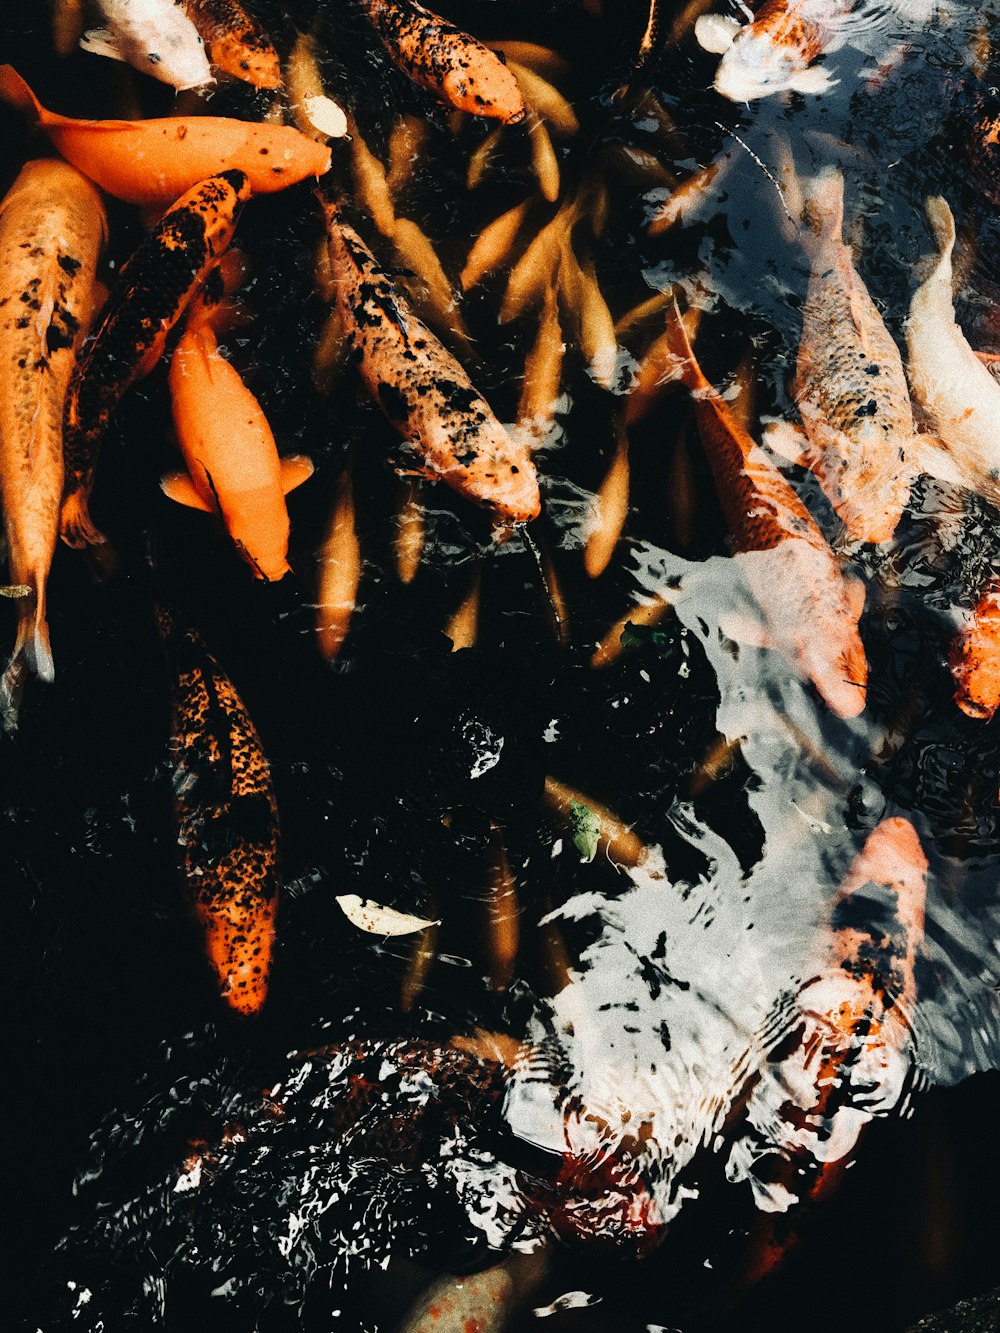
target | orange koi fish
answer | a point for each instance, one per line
(811, 610)
(227, 820)
(849, 1054)
(236, 42)
(975, 657)
(52, 226)
(850, 386)
(423, 390)
(152, 292)
(155, 161)
(232, 461)
(436, 55)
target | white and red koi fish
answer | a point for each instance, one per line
(849, 1049)
(811, 610)
(776, 50)
(850, 387)
(155, 36)
(52, 226)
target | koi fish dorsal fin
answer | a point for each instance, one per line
(178, 486)
(295, 469)
(715, 32)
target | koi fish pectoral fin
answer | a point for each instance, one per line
(295, 469)
(101, 42)
(715, 32)
(179, 487)
(813, 80)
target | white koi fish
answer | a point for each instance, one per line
(156, 36)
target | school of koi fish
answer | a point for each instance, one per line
(446, 907)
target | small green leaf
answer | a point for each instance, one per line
(586, 829)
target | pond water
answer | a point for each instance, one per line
(594, 1079)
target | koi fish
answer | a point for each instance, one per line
(232, 461)
(848, 1054)
(152, 292)
(949, 381)
(811, 610)
(156, 37)
(479, 1303)
(424, 391)
(236, 42)
(774, 53)
(52, 226)
(850, 387)
(227, 820)
(153, 162)
(975, 656)
(436, 55)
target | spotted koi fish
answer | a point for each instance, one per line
(152, 292)
(227, 820)
(153, 162)
(811, 610)
(848, 1055)
(423, 390)
(236, 42)
(232, 461)
(52, 226)
(850, 386)
(457, 69)
(774, 53)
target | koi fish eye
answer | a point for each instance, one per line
(153, 58)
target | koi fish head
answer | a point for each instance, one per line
(835, 662)
(757, 63)
(488, 89)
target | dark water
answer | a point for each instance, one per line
(339, 1208)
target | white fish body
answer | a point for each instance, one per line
(156, 37)
(774, 52)
(958, 393)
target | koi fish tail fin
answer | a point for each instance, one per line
(823, 208)
(942, 222)
(16, 93)
(75, 525)
(31, 651)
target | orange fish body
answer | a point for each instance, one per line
(153, 162)
(424, 391)
(152, 292)
(975, 657)
(852, 1050)
(449, 63)
(812, 611)
(227, 820)
(52, 225)
(236, 42)
(232, 460)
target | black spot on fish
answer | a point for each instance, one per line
(868, 409)
(68, 264)
(392, 402)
